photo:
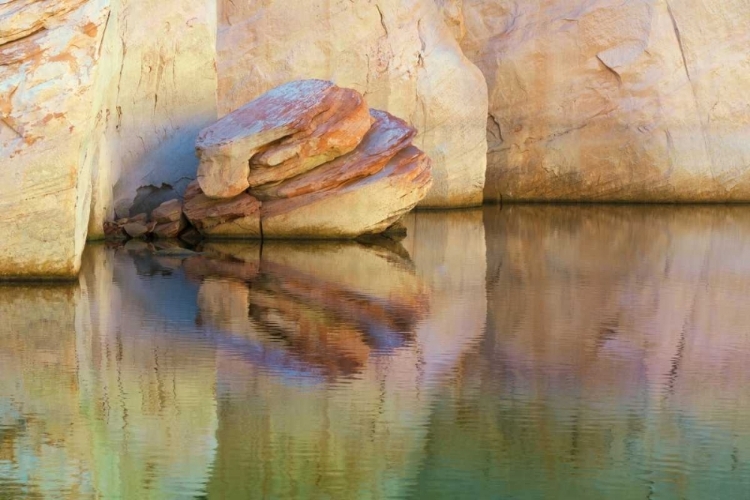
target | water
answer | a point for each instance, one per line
(525, 353)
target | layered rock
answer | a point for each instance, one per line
(387, 136)
(369, 205)
(284, 132)
(398, 53)
(168, 219)
(278, 145)
(612, 101)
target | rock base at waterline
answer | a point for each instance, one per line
(305, 160)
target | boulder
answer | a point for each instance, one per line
(136, 229)
(236, 217)
(170, 229)
(368, 205)
(290, 129)
(334, 132)
(371, 175)
(607, 100)
(169, 211)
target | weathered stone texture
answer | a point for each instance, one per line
(371, 177)
(238, 216)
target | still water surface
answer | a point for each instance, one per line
(531, 352)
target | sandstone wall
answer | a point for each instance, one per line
(100, 104)
(645, 100)
(49, 117)
(398, 53)
(165, 94)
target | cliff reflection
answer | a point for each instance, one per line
(523, 352)
(615, 363)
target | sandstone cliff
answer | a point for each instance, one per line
(598, 100)
(644, 100)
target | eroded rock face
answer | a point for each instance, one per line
(169, 211)
(366, 206)
(164, 85)
(644, 100)
(335, 131)
(397, 53)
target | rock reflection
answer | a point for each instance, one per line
(287, 371)
(596, 351)
(330, 305)
(363, 434)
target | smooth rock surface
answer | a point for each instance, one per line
(397, 53)
(605, 100)
(367, 205)
(163, 70)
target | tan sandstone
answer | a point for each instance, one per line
(367, 205)
(387, 137)
(162, 63)
(605, 100)
(169, 211)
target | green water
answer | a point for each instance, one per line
(531, 352)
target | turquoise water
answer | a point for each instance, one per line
(529, 352)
